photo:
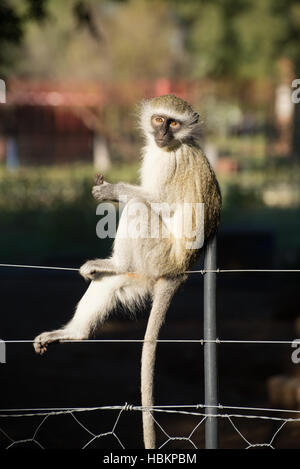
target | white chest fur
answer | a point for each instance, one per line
(156, 169)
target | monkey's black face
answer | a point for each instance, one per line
(165, 129)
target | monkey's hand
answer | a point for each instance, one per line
(104, 192)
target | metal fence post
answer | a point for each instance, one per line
(210, 348)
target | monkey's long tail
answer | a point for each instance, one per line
(164, 290)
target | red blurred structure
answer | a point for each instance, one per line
(56, 123)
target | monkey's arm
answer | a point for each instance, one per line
(116, 192)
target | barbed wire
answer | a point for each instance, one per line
(42, 267)
(201, 271)
(14, 412)
(166, 409)
(163, 341)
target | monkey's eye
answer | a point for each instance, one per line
(174, 124)
(157, 121)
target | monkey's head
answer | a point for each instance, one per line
(169, 120)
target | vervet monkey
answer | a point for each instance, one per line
(175, 172)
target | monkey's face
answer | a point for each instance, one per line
(164, 129)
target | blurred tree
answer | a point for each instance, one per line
(14, 16)
(242, 39)
(145, 41)
(108, 40)
(236, 38)
(84, 16)
(130, 39)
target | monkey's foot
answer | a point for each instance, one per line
(89, 270)
(42, 341)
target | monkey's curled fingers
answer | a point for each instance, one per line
(99, 179)
(89, 270)
(42, 341)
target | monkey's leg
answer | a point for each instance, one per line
(164, 290)
(91, 269)
(93, 308)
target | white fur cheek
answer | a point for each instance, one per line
(181, 134)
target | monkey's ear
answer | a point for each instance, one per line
(196, 118)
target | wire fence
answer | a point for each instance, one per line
(166, 439)
(207, 414)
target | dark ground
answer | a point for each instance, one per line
(261, 306)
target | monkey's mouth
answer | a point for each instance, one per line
(163, 142)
